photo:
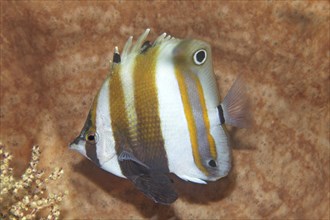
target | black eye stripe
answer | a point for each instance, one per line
(90, 148)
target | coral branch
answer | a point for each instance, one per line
(23, 198)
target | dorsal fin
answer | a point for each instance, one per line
(159, 39)
(141, 46)
(136, 48)
(127, 47)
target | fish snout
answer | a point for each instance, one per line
(74, 145)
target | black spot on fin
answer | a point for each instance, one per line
(145, 46)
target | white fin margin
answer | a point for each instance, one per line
(160, 39)
(192, 179)
(127, 48)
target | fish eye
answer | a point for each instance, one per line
(91, 137)
(200, 56)
(212, 163)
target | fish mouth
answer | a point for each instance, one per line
(74, 144)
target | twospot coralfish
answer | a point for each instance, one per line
(158, 112)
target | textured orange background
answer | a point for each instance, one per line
(54, 57)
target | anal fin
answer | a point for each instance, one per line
(154, 184)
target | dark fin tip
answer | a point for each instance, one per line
(116, 58)
(145, 46)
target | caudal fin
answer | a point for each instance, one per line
(235, 105)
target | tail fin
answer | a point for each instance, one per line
(235, 106)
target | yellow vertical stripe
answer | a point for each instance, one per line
(119, 122)
(210, 139)
(190, 120)
(147, 112)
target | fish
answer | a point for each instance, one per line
(158, 112)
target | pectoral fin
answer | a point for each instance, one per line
(235, 107)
